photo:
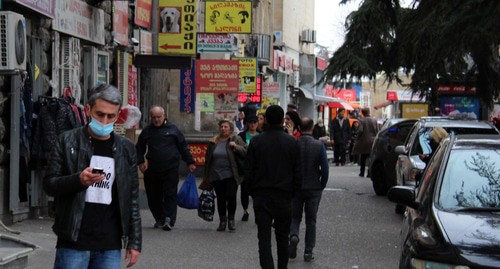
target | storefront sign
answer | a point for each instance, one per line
(217, 76)
(248, 74)
(45, 7)
(132, 82)
(406, 96)
(215, 43)
(226, 102)
(228, 17)
(146, 42)
(77, 18)
(198, 152)
(414, 111)
(460, 105)
(177, 29)
(187, 93)
(456, 89)
(143, 13)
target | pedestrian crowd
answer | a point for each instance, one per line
(277, 158)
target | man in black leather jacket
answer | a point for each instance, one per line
(92, 175)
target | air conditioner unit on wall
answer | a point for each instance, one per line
(308, 36)
(278, 39)
(12, 42)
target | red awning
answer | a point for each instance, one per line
(344, 105)
(384, 104)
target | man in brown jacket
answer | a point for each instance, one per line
(368, 129)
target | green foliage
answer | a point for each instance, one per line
(436, 42)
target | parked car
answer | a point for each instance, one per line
(383, 158)
(409, 161)
(452, 216)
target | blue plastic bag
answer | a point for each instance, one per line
(187, 197)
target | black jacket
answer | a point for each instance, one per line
(71, 154)
(314, 163)
(272, 164)
(165, 146)
(338, 133)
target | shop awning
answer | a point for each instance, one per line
(307, 93)
(323, 98)
(344, 105)
(381, 105)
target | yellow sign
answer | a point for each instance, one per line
(228, 17)
(414, 111)
(177, 29)
(248, 75)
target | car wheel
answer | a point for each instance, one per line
(400, 209)
(378, 178)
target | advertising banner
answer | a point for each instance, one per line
(207, 102)
(120, 22)
(187, 90)
(226, 102)
(45, 7)
(198, 152)
(177, 29)
(459, 105)
(228, 17)
(143, 13)
(217, 76)
(79, 19)
(248, 74)
(132, 82)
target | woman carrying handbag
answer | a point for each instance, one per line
(221, 171)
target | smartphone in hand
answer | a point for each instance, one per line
(97, 170)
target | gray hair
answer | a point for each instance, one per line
(105, 92)
(157, 107)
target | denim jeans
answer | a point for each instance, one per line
(67, 258)
(309, 201)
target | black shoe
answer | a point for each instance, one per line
(231, 225)
(245, 217)
(167, 227)
(222, 226)
(361, 175)
(292, 248)
(308, 257)
(158, 224)
(336, 164)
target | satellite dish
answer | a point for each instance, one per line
(20, 42)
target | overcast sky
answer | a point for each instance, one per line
(329, 21)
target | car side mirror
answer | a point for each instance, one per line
(403, 195)
(400, 149)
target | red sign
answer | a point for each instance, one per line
(120, 22)
(198, 152)
(254, 97)
(143, 13)
(458, 89)
(217, 76)
(321, 64)
(392, 96)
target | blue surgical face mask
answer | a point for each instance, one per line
(100, 129)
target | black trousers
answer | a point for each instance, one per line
(362, 163)
(339, 150)
(226, 191)
(161, 190)
(267, 209)
(244, 195)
